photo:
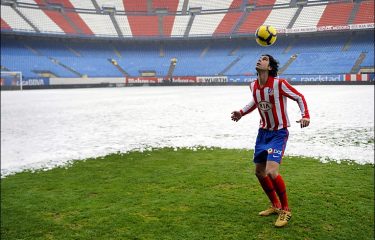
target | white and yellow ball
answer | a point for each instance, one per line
(266, 35)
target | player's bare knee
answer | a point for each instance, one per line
(260, 174)
(272, 173)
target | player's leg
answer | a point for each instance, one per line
(272, 171)
(275, 154)
(260, 160)
(267, 185)
(285, 214)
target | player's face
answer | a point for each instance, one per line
(263, 63)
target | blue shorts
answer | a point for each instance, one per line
(270, 145)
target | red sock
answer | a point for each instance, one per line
(280, 188)
(268, 188)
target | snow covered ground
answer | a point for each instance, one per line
(42, 129)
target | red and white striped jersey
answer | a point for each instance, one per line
(271, 103)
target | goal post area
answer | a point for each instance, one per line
(11, 80)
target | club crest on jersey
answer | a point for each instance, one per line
(264, 106)
(270, 91)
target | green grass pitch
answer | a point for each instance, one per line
(186, 194)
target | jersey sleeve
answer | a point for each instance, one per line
(248, 108)
(251, 106)
(290, 92)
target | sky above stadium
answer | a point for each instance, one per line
(43, 129)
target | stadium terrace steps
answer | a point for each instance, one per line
(253, 21)
(309, 16)
(205, 24)
(288, 63)
(280, 18)
(161, 50)
(75, 17)
(115, 24)
(75, 52)
(96, 5)
(62, 21)
(33, 50)
(143, 26)
(4, 25)
(234, 51)
(26, 19)
(205, 50)
(353, 14)
(124, 25)
(239, 22)
(347, 44)
(228, 23)
(336, 14)
(79, 22)
(41, 20)
(168, 22)
(68, 68)
(149, 6)
(365, 12)
(101, 25)
(290, 45)
(227, 68)
(368, 61)
(357, 63)
(69, 20)
(172, 66)
(295, 17)
(189, 25)
(118, 54)
(118, 67)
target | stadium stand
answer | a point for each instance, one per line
(172, 6)
(315, 55)
(280, 18)
(365, 12)
(205, 24)
(309, 16)
(40, 20)
(336, 14)
(13, 20)
(79, 38)
(141, 18)
(253, 21)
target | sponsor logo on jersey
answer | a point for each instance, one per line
(264, 106)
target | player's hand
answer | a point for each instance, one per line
(304, 122)
(236, 115)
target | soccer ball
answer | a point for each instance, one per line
(266, 35)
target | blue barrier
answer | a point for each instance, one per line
(38, 81)
(292, 78)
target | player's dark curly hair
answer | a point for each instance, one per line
(274, 64)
